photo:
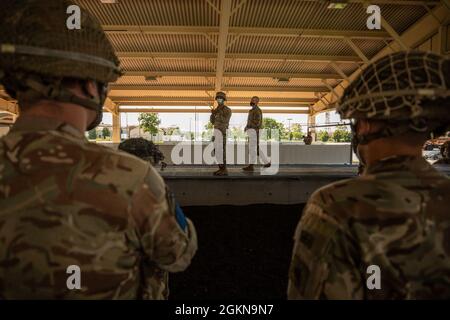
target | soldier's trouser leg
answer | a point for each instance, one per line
(219, 143)
(261, 153)
(224, 148)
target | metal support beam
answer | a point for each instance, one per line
(213, 6)
(208, 110)
(225, 13)
(330, 88)
(239, 6)
(110, 106)
(393, 33)
(357, 50)
(236, 74)
(239, 56)
(413, 37)
(338, 70)
(116, 128)
(249, 31)
(203, 88)
(202, 100)
(398, 2)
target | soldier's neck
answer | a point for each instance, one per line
(72, 114)
(382, 148)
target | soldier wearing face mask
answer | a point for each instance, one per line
(255, 122)
(220, 118)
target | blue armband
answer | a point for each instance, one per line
(181, 218)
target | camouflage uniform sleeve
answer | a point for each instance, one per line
(212, 117)
(163, 241)
(222, 119)
(322, 266)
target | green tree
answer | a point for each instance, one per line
(238, 133)
(323, 136)
(296, 131)
(171, 131)
(106, 133)
(92, 135)
(272, 124)
(341, 134)
(150, 122)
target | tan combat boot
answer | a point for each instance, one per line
(222, 171)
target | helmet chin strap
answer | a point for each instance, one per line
(393, 129)
(55, 91)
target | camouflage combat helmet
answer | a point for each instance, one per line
(408, 90)
(38, 51)
(222, 95)
(143, 149)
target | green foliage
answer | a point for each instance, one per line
(296, 132)
(341, 134)
(323, 136)
(272, 124)
(172, 131)
(209, 126)
(149, 122)
(106, 133)
(238, 134)
(92, 134)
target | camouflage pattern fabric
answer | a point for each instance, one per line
(220, 118)
(65, 201)
(445, 152)
(396, 216)
(254, 120)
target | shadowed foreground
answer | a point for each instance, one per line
(244, 253)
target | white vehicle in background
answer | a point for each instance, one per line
(6, 122)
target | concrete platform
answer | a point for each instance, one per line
(196, 186)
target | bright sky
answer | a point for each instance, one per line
(188, 121)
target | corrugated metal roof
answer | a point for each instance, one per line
(194, 47)
(143, 42)
(155, 12)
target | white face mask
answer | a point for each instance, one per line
(220, 101)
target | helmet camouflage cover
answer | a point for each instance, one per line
(143, 149)
(410, 88)
(35, 39)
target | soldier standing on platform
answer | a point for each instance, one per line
(220, 118)
(255, 123)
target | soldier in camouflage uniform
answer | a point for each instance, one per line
(64, 201)
(395, 216)
(445, 152)
(220, 118)
(255, 122)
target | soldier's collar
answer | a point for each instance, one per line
(395, 163)
(40, 123)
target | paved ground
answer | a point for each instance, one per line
(237, 172)
(305, 170)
